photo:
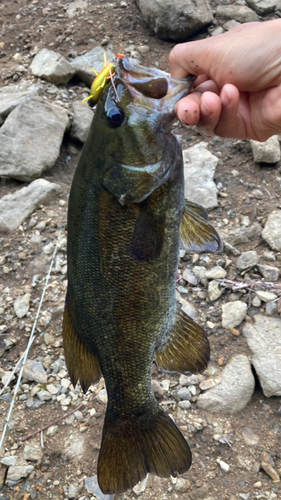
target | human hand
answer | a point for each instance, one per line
(238, 90)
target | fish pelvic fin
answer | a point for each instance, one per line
(81, 364)
(196, 233)
(133, 447)
(186, 349)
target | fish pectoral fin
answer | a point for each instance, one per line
(196, 233)
(137, 445)
(186, 349)
(148, 237)
(81, 364)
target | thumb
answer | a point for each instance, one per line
(190, 58)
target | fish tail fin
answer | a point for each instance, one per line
(132, 447)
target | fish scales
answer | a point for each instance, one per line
(125, 209)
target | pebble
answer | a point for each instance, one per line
(21, 305)
(271, 307)
(182, 485)
(44, 395)
(268, 255)
(250, 437)
(214, 290)
(34, 372)
(73, 490)
(91, 484)
(9, 461)
(48, 249)
(233, 313)
(190, 277)
(78, 415)
(184, 405)
(139, 489)
(33, 404)
(223, 465)
(51, 431)
(32, 452)
(247, 260)
(189, 308)
(17, 472)
(216, 272)
(207, 384)
(256, 302)
(265, 296)
(272, 230)
(185, 380)
(102, 397)
(269, 273)
(184, 394)
(266, 152)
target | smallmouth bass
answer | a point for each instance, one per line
(126, 217)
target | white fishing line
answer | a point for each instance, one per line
(24, 357)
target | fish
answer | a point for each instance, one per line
(126, 217)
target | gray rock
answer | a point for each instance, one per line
(74, 447)
(233, 313)
(16, 207)
(76, 7)
(73, 490)
(184, 405)
(250, 437)
(264, 340)
(247, 260)
(51, 66)
(265, 296)
(9, 101)
(268, 272)
(234, 391)
(189, 277)
(91, 484)
(230, 24)
(34, 404)
(92, 59)
(176, 20)
(199, 171)
(30, 139)
(239, 13)
(268, 151)
(214, 290)
(44, 395)
(216, 272)
(244, 234)
(82, 119)
(18, 472)
(189, 308)
(200, 273)
(139, 489)
(271, 307)
(262, 7)
(256, 302)
(189, 380)
(184, 394)
(272, 230)
(9, 461)
(21, 305)
(32, 452)
(34, 372)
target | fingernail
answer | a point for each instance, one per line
(225, 98)
(204, 107)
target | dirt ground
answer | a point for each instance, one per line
(26, 27)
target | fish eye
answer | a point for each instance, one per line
(115, 117)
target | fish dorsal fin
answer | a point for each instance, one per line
(82, 364)
(196, 234)
(148, 237)
(186, 349)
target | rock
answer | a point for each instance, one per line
(182, 485)
(250, 437)
(21, 305)
(271, 307)
(190, 277)
(230, 24)
(92, 59)
(33, 404)
(244, 234)
(18, 472)
(184, 394)
(271, 472)
(189, 308)
(44, 395)
(51, 431)
(9, 461)
(184, 405)
(176, 20)
(223, 465)
(268, 151)
(139, 489)
(30, 139)
(32, 452)
(256, 302)
(262, 7)
(200, 273)
(272, 230)
(102, 397)
(75, 447)
(268, 255)
(214, 290)
(239, 13)
(76, 7)
(247, 259)
(34, 372)
(8, 102)
(269, 273)
(264, 340)
(82, 119)
(157, 388)
(91, 484)
(265, 296)
(207, 384)
(189, 380)
(234, 391)
(16, 207)
(216, 272)
(51, 66)
(233, 313)
(199, 171)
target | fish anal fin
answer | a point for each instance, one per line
(137, 445)
(186, 349)
(148, 237)
(196, 234)
(81, 364)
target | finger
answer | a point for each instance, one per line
(231, 123)
(210, 111)
(188, 109)
(208, 86)
(190, 58)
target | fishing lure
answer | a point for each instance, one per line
(100, 81)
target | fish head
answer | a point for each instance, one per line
(133, 119)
